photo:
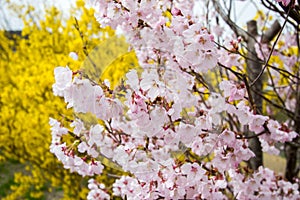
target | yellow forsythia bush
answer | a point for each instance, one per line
(26, 98)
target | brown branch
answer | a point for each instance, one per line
(274, 88)
(290, 11)
(234, 27)
(252, 136)
(274, 8)
(270, 54)
(271, 33)
(287, 111)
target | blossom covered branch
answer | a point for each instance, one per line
(171, 141)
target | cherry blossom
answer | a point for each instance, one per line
(97, 191)
(284, 2)
(63, 78)
(232, 91)
(169, 132)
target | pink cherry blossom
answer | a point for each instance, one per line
(284, 2)
(95, 135)
(78, 126)
(174, 135)
(132, 79)
(97, 191)
(232, 91)
(256, 125)
(63, 78)
(82, 147)
(194, 173)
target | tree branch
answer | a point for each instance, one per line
(234, 27)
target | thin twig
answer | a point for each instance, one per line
(270, 54)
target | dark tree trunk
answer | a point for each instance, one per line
(291, 148)
(253, 70)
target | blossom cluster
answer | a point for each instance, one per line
(142, 134)
(165, 132)
(185, 43)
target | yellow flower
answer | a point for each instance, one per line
(27, 101)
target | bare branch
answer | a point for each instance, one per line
(274, 8)
(235, 28)
(271, 33)
(270, 54)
